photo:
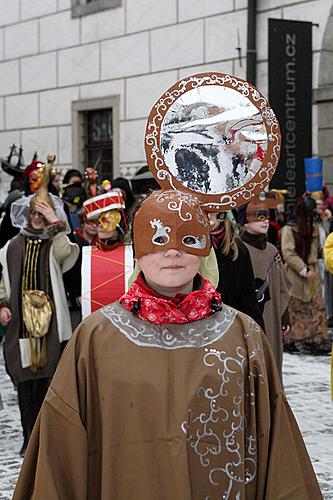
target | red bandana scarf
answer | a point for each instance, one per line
(158, 309)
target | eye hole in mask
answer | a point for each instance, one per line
(161, 240)
(194, 242)
(161, 236)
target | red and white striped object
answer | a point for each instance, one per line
(113, 200)
(105, 276)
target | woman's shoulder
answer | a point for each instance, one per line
(271, 249)
(288, 228)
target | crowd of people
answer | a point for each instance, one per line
(172, 388)
(284, 287)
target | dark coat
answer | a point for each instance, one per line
(236, 283)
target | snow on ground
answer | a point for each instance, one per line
(307, 385)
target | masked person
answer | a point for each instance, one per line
(236, 279)
(33, 304)
(300, 250)
(168, 392)
(188, 401)
(85, 235)
(73, 196)
(271, 281)
(108, 264)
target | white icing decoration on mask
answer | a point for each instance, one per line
(161, 233)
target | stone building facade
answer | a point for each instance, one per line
(67, 65)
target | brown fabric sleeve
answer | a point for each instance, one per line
(291, 258)
(55, 464)
(284, 468)
(290, 475)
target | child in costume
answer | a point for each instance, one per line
(108, 264)
(272, 284)
(168, 392)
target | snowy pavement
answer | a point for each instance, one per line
(307, 384)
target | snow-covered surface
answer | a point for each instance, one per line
(307, 384)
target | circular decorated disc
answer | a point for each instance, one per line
(213, 135)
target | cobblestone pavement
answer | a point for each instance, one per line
(307, 384)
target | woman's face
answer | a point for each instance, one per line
(57, 182)
(169, 270)
(257, 227)
(75, 179)
(91, 227)
(37, 220)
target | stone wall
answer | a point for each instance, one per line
(49, 59)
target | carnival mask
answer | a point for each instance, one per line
(258, 209)
(35, 179)
(108, 221)
(171, 219)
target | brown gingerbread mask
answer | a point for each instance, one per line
(171, 219)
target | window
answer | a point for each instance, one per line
(85, 7)
(96, 135)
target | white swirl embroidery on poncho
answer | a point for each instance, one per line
(236, 447)
(175, 336)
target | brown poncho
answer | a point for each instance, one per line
(138, 411)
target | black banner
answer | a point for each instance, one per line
(290, 96)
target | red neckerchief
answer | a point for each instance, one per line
(158, 309)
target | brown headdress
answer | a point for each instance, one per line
(212, 138)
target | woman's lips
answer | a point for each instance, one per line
(173, 267)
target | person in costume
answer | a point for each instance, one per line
(277, 218)
(236, 279)
(32, 176)
(126, 189)
(73, 196)
(28, 184)
(322, 221)
(167, 390)
(271, 281)
(7, 230)
(72, 176)
(33, 304)
(107, 262)
(300, 250)
(328, 258)
(85, 235)
(54, 186)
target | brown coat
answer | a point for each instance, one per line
(279, 287)
(170, 412)
(302, 288)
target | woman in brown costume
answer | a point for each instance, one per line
(300, 250)
(271, 281)
(167, 393)
(33, 263)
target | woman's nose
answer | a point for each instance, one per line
(172, 252)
